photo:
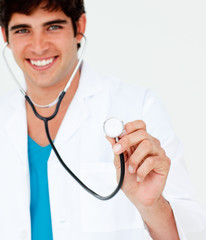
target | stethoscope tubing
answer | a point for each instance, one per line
(46, 120)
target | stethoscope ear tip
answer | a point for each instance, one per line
(113, 127)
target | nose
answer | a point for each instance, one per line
(39, 44)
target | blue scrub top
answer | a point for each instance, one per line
(41, 227)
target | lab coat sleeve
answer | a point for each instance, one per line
(190, 217)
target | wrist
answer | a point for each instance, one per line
(159, 219)
(149, 206)
(152, 208)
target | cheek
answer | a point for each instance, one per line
(69, 49)
(17, 49)
(18, 58)
(67, 41)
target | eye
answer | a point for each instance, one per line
(22, 31)
(54, 27)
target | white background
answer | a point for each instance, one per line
(158, 44)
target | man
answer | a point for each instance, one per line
(40, 200)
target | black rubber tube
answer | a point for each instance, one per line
(46, 120)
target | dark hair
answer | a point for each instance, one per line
(72, 8)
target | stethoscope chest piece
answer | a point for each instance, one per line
(113, 127)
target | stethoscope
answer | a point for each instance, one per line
(113, 127)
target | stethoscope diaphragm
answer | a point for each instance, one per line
(113, 127)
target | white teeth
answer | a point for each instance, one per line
(42, 63)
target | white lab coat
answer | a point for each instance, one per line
(75, 214)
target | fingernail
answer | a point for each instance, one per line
(130, 169)
(138, 179)
(116, 148)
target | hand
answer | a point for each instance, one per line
(146, 165)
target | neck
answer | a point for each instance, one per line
(47, 95)
(35, 126)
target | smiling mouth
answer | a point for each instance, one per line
(43, 63)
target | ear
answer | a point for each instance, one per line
(4, 34)
(81, 26)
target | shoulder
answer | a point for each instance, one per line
(6, 98)
(9, 102)
(113, 87)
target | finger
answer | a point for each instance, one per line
(117, 163)
(145, 148)
(117, 156)
(131, 140)
(153, 163)
(128, 129)
(146, 167)
(131, 127)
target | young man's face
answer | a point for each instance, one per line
(44, 46)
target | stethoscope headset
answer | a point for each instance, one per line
(112, 127)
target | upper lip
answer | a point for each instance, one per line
(41, 59)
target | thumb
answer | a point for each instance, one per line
(116, 156)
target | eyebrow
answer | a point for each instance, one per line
(58, 21)
(15, 27)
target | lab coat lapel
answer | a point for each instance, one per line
(76, 115)
(16, 126)
(78, 111)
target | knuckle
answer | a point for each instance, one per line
(150, 161)
(147, 144)
(157, 141)
(129, 127)
(162, 152)
(142, 124)
(164, 155)
(168, 161)
(143, 134)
